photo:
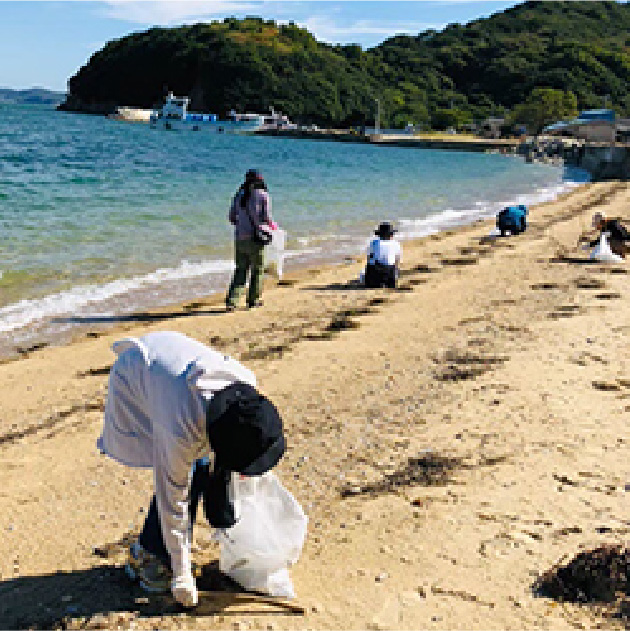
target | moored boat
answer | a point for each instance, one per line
(174, 115)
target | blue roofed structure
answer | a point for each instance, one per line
(590, 125)
(597, 115)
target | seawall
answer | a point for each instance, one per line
(602, 161)
(454, 143)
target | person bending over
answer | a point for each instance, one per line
(384, 257)
(618, 235)
(512, 219)
(172, 404)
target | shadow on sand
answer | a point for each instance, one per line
(140, 317)
(70, 599)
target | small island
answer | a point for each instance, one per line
(486, 71)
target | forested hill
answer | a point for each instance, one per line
(486, 67)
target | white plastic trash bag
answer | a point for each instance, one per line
(267, 538)
(602, 252)
(274, 253)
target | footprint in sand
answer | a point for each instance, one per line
(94, 372)
(589, 283)
(461, 260)
(606, 386)
(565, 311)
(545, 286)
(378, 301)
(611, 295)
(424, 269)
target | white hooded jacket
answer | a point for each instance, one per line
(155, 416)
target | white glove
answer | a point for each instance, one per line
(185, 591)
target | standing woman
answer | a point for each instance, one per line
(250, 211)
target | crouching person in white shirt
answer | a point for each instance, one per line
(384, 256)
(173, 402)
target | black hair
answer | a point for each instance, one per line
(247, 188)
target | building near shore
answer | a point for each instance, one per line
(593, 126)
(491, 127)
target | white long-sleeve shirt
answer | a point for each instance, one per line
(385, 251)
(155, 416)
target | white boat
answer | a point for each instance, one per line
(174, 114)
(131, 114)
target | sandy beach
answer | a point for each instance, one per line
(451, 441)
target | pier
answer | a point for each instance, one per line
(454, 142)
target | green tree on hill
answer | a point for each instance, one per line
(545, 106)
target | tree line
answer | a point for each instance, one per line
(532, 64)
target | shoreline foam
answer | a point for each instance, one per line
(35, 322)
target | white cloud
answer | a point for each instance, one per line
(328, 27)
(171, 12)
(331, 31)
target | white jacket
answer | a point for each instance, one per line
(155, 416)
(384, 251)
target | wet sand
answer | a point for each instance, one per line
(451, 441)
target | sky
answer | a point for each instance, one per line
(44, 42)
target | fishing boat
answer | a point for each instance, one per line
(174, 115)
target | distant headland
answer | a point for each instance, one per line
(31, 96)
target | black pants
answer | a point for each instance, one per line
(151, 538)
(378, 275)
(509, 226)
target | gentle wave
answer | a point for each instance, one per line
(70, 302)
(451, 218)
(26, 312)
(108, 217)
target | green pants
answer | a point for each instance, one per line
(247, 255)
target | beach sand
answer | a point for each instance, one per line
(451, 441)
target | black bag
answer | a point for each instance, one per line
(217, 505)
(214, 487)
(261, 236)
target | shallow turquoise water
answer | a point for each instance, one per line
(101, 217)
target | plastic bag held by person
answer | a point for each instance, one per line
(602, 252)
(267, 538)
(274, 252)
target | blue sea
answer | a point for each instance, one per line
(101, 218)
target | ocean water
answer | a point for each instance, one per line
(100, 218)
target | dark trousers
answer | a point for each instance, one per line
(620, 248)
(248, 256)
(151, 538)
(378, 275)
(511, 227)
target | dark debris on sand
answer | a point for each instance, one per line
(600, 577)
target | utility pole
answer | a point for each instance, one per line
(377, 122)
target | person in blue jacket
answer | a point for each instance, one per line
(512, 219)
